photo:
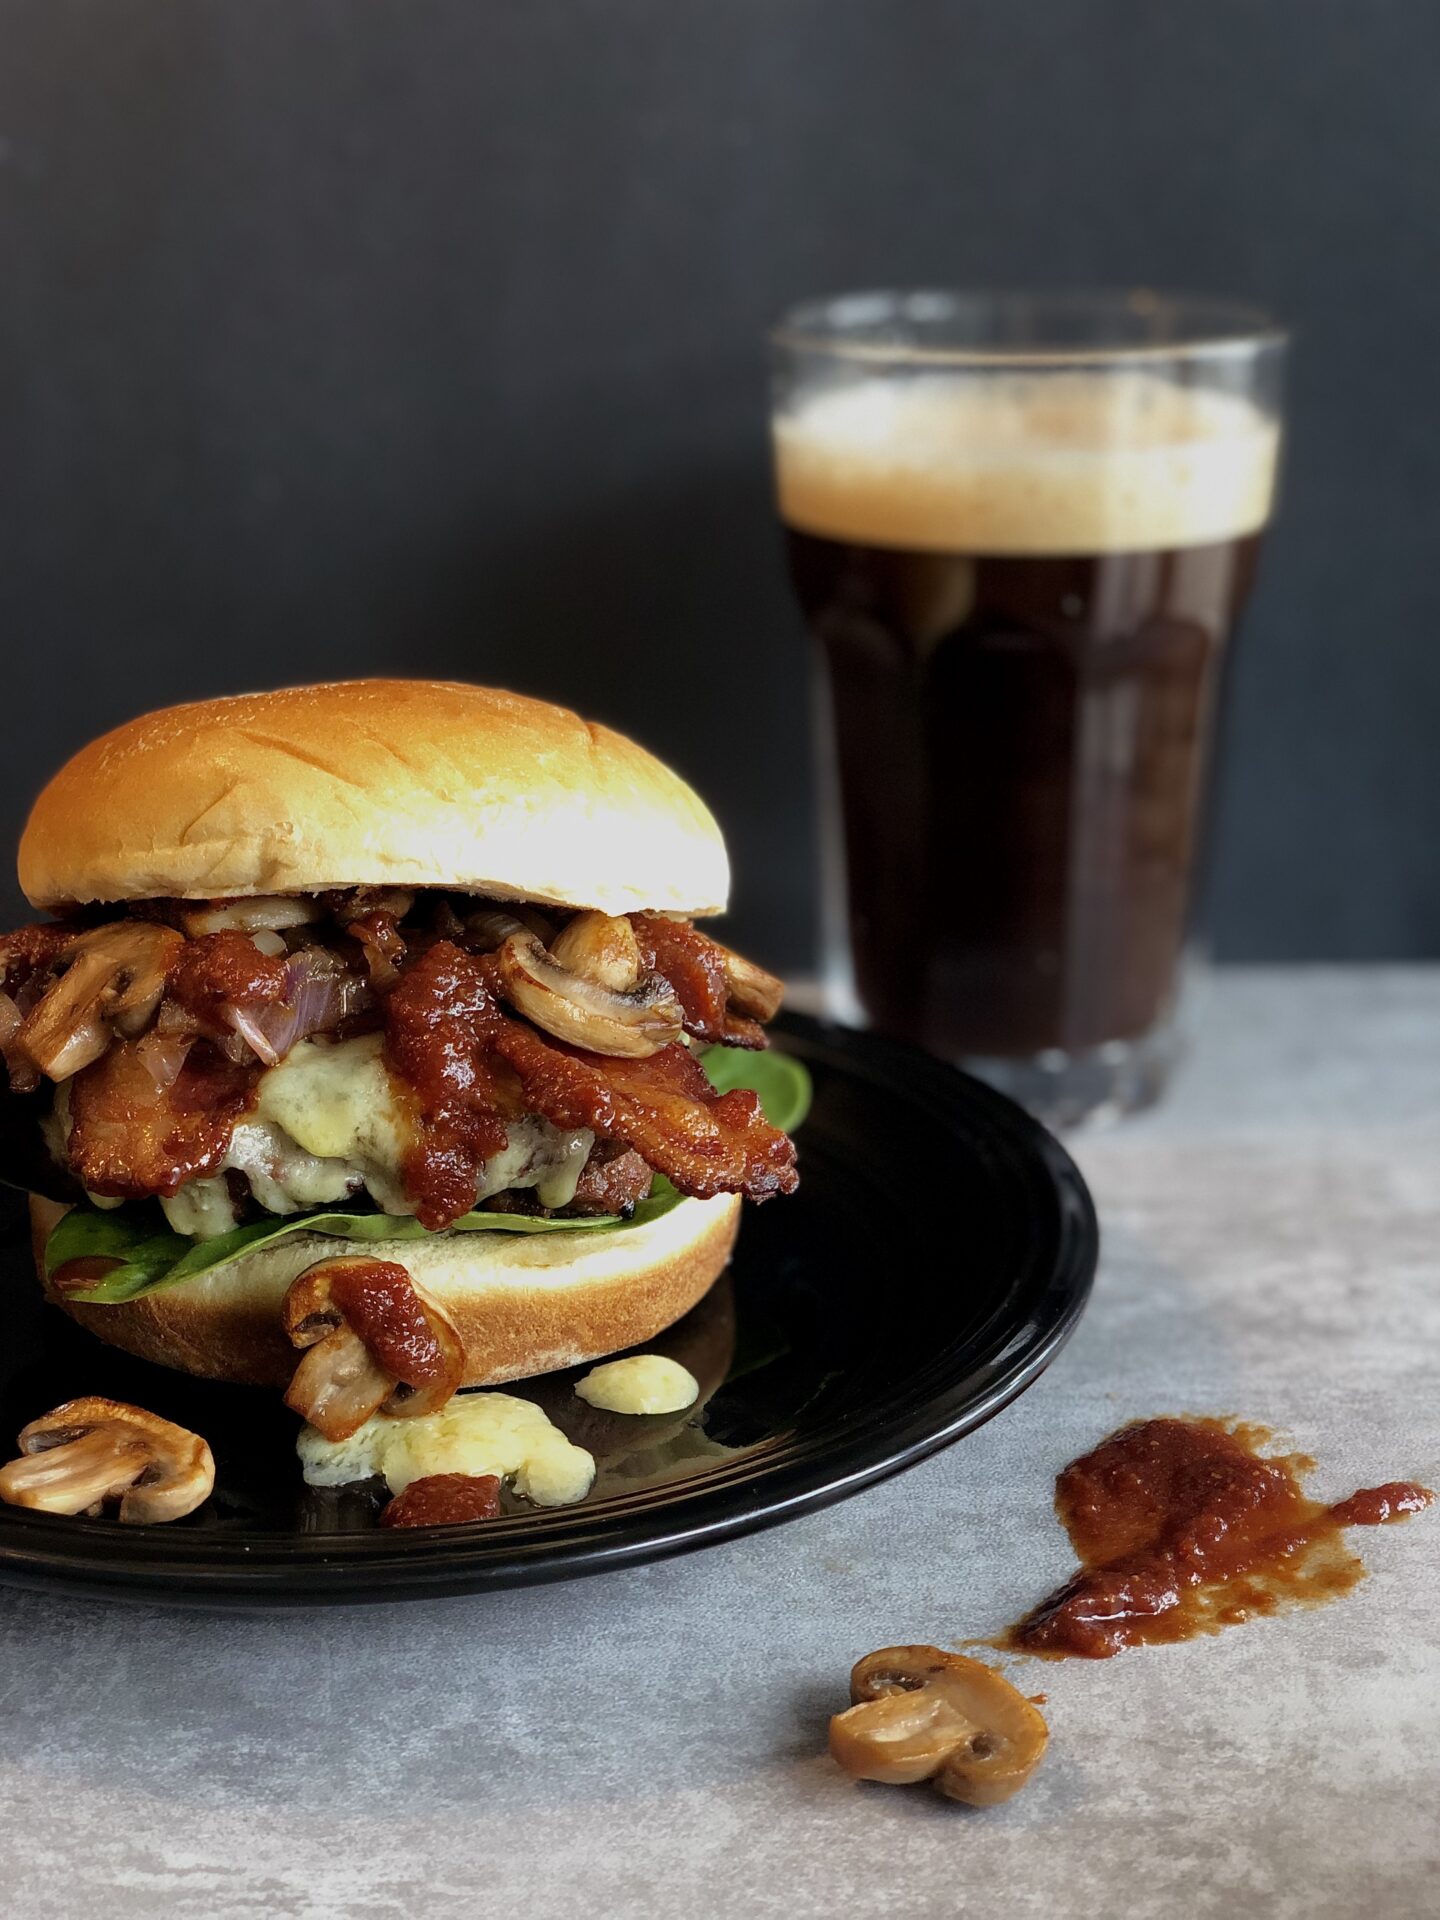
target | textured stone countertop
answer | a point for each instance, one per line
(652, 1743)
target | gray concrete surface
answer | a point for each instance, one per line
(653, 1743)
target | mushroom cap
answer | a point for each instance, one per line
(90, 1450)
(921, 1713)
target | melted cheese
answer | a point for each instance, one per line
(644, 1383)
(329, 1123)
(336, 1100)
(476, 1433)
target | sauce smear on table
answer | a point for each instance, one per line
(1183, 1527)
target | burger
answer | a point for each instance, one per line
(363, 1051)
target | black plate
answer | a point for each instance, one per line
(937, 1255)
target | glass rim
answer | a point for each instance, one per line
(1220, 327)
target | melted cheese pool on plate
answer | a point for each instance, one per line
(476, 1433)
(645, 1383)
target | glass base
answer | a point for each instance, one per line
(1090, 1088)
(1093, 1086)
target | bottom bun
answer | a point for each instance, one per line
(523, 1303)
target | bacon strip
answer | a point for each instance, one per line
(130, 1137)
(692, 964)
(471, 1066)
(663, 1107)
(29, 950)
(143, 1123)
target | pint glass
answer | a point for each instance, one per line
(1021, 529)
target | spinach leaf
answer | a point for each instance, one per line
(149, 1255)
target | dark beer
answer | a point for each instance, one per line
(1023, 690)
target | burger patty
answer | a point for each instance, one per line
(405, 1018)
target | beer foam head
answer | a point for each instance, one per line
(1025, 462)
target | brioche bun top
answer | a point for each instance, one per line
(408, 783)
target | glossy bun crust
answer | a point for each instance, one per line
(406, 783)
(523, 1303)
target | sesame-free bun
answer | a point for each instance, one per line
(522, 1303)
(405, 783)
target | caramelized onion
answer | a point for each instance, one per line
(248, 1026)
(23, 1077)
(316, 999)
(583, 1012)
(265, 912)
(486, 931)
(491, 927)
(384, 947)
(162, 1055)
(11, 1021)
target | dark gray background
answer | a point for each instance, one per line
(423, 336)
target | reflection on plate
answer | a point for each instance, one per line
(938, 1252)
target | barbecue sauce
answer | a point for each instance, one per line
(75, 1276)
(445, 1500)
(1183, 1527)
(380, 1303)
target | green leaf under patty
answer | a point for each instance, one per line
(149, 1255)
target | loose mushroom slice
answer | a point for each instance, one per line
(90, 1451)
(923, 1714)
(372, 1345)
(584, 1012)
(113, 978)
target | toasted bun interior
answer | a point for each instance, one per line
(411, 783)
(523, 1303)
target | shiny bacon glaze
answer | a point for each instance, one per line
(131, 1137)
(159, 1107)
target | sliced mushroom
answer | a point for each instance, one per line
(372, 1343)
(113, 979)
(582, 1011)
(602, 947)
(753, 991)
(267, 912)
(923, 1714)
(337, 1385)
(91, 1451)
